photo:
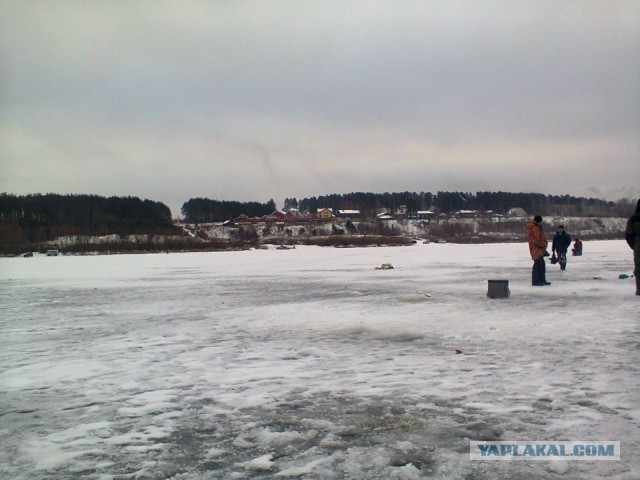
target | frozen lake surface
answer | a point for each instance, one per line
(308, 363)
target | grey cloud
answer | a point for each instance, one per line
(392, 94)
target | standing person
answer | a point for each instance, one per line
(560, 245)
(577, 248)
(538, 249)
(632, 235)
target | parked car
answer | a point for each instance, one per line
(52, 253)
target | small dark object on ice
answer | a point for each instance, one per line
(498, 289)
(458, 351)
(385, 266)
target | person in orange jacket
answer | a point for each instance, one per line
(538, 249)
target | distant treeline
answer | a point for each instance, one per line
(204, 210)
(448, 202)
(31, 219)
(37, 218)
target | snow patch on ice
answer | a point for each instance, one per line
(301, 470)
(263, 462)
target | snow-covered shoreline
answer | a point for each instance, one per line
(462, 230)
(309, 363)
(217, 236)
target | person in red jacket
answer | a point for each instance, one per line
(538, 249)
(577, 248)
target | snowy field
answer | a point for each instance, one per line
(308, 363)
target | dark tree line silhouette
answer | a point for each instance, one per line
(449, 202)
(31, 219)
(37, 218)
(205, 210)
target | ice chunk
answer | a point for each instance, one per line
(263, 462)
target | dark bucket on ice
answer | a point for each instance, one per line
(498, 289)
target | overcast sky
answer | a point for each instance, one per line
(271, 99)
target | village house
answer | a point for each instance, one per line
(324, 214)
(276, 217)
(425, 215)
(242, 219)
(351, 214)
(466, 214)
(517, 212)
(384, 215)
(281, 216)
(491, 214)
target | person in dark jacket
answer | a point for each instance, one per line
(560, 245)
(577, 248)
(632, 235)
(538, 249)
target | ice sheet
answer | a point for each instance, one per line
(310, 363)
